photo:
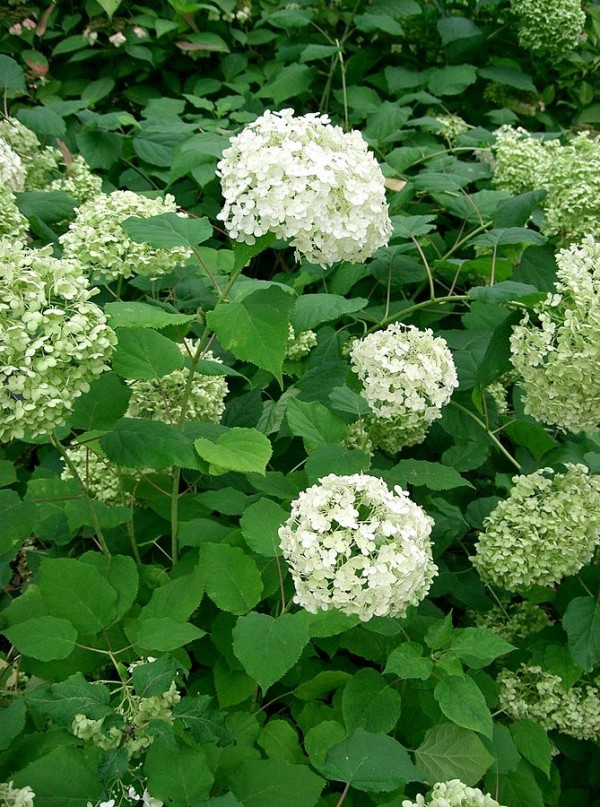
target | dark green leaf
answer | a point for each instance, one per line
(369, 702)
(260, 524)
(138, 443)
(462, 702)
(407, 661)
(233, 581)
(582, 624)
(142, 315)
(180, 776)
(44, 638)
(52, 788)
(451, 752)
(11, 74)
(101, 407)
(165, 633)
(168, 230)
(262, 782)
(144, 354)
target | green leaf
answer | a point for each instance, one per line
(255, 329)
(311, 310)
(142, 315)
(8, 474)
(327, 459)
(43, 121)
(508, 76)
(506, 236)
(238, 449)
(44, 638)
(179, 598)
(122, 573)
(260, 524)
(369, 702)
(74, 696)
(262, 782)
(371, 762)
(279, 741)
(462, 702)
(91, 602)
(582, 624)
(451, 752)
(12, 722)
(101, 407)
(316, 424)
(242, 253)
(11, 74)
(155, 677)
(406, 661)
(17, 520)
(322, 684)
(180, 776)
(168, 230)
(433, 475)
(517, 788)
(110, 6)
(48, 206)
(378, 22)
(52, 788)
(233, 581)
(496, 360)
(452, 79)
(290, 82)
(206, 724)
(290, 18)
(144, 354)
(138, 443)
(532, 741)
(269, 647)
(478, 647)
(312, 52)
(164, 634)
(319, 739)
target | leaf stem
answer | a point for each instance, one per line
(490, 434)
(342, 798)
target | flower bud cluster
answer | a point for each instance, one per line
(96, 239)
(547, 528)
(303, 179)
(299, 344)
(513, 621)
(15, 796)
(533, 693)
(78, 181)
(161, 398)
(520, 161)
(453, 794)
(354, 545)
(452, 127)
(12, 170)
(103, 480)
(550, 30)
(559, 359)
(53, 340)
(407, 375)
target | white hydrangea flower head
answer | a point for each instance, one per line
(96, 239)
(303, 179)
(299, 344)
(520, 160)
(513, 621)
(408, 375)
(547, 528)
(40, 164)
(12, 170)
(558, 361)
(16, 796)
(19, 138)
(161, 398)
(353, 545)
(535, 694)
(453, 794)
(13, 224)
(53, 340)
(550, 29)
(103, 480)
(78, 181)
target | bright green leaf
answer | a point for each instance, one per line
(44, 638)
(165, 633)
(239, 449)
(451, 752)
(145, 354)
(462, 702)
(233, 581)
(142, 315)
(260, 524)
(168, 230)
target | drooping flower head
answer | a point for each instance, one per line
(408, 375)
(547, 528)
(303, 179)
(354, 545)
(53, 340)
(96, 239)
(558, 361)
(550, 29)
(453, 794)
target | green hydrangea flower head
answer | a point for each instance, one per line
(13, 224)
(97, 241)
(520, 160)
(78, 181)
(547, 528)
(513, 621)
(453, 794)
(550, 29)
(558, 359)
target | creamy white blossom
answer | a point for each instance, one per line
(78, 181)
(12, 170)
(96, 239)
(299, 344)
(40, 164)
(13, 224)
(453, 794)
(408, 375)
(303, 179)
(103, 480)
(353, 545)
(547, 528)
(11, 796)
(53, 339)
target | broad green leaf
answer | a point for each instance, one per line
(262, 782)
(43, 121)
(155, 677)
(371, 762)
(165, 633)
(255, 329)
(48, 206)
(17, 519)
(369, 702)
(290, 82)
(168, 230)
(322, 684)
(312, 52)
(320, 738)
(243, 253)
(110, 6)
(407, 661)
(180, 776)
(268, 647)
(369, 23)
(517, 788)
(328, 459)
(311, 310)
(478, 647)
(142, 315)
(238, 449)
(452, 79)
(496, 360)
(433, 475)
(451, 752)
(290, 18)
(138, 443)
(178, 598)
(279, 741)
(462, 702)
(12, 721)
(582, 624)
(508, 76)
(206, 724)
(122, 573)
(507, 236)
(52, 788)
(233, 581)
(504, 749)
(454, 28)
(8, 474)
(144, 354)
(104, 404)
(44, 638)
(260, 524)
(74, 696)
(91, 603)
(531, 739)
(11, 74)
(316, 424)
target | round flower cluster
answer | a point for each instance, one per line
(354, 545)
(137, 712)
(299, 344)
(40, 164)
(13, 224)
(302, 178)
(452, 126)
(453, 794)
(12, 171)
(549, 29)
(559, 360)
(547, 528)
(78, 181)
(161, 398)
(512, 621)
(103, 480)
(520, 160)
(53, 340)
(533, 693)
(96, 239)
(15, 796)
(407, 375)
